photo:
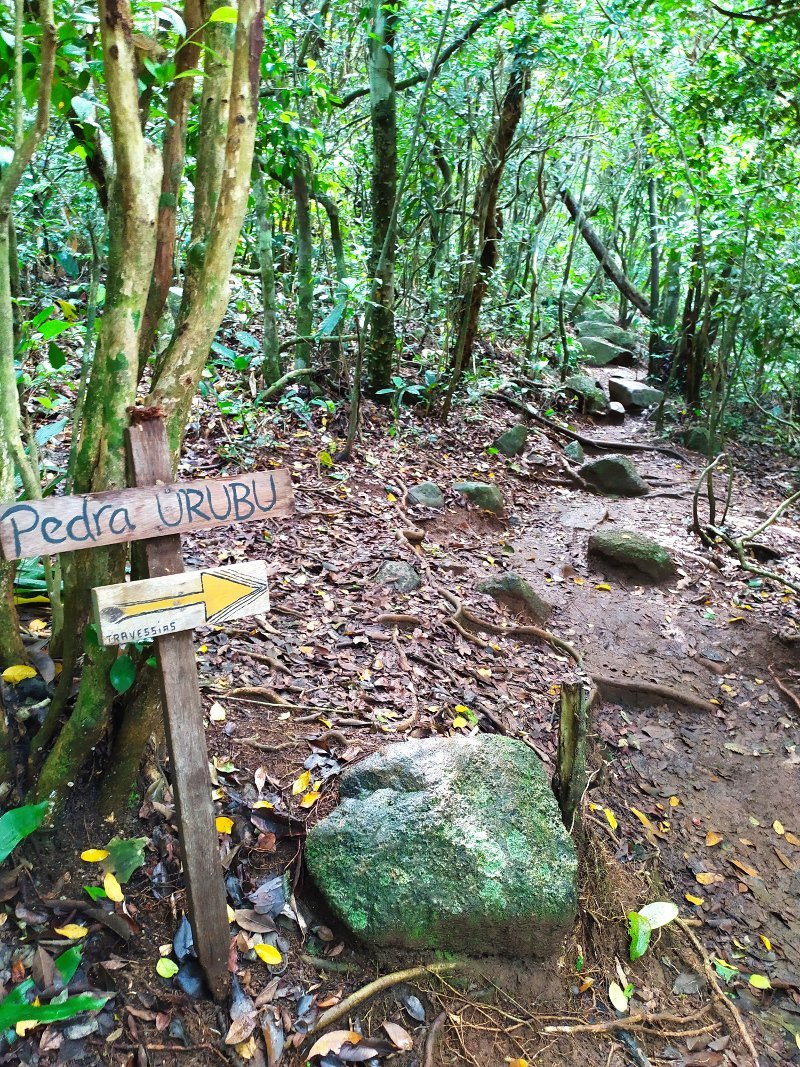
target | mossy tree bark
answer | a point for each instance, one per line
(100, 458)
(304, 265)
(383, 120)
(271, 369)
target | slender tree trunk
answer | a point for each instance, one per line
(304, 266)
(383, 120)
(655, 345)
(270, 345)
(174, 153)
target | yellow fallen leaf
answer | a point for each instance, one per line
(611, 818)
(518, 1063)
(24, 1026)
(18, 673)
(604, 586)
(332, 1042)
(640, 815)
(72, 931)
(785, 860)
(695, 900)
(792, 839)
(94, 855)
(262, 804)
(301, 784)
(246, 1049)
(391, 498)
(35, 626)
(674, 802)
(231, 914)
(268, 954)
(708, 878)
(765, 941)
(484, 672)
(459, 721)
(778, 828)
(310, 799)
(745, 868)
(113, 888)
(579, 581)
(224, 824)
(713, 838)
(216, 712)
(461, 709)
(760, 981)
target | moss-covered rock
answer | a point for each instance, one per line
(590, 392)
(482, 494)
(696, 438)
(516, 594)
(625, 548)
(449, 844)
(600, 353)
(574, 452)
(427, 495)
(513, 441)
(633, 394)
(614, 475)
(608, 331)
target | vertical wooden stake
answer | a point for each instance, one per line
(570, 779)
(183, 718)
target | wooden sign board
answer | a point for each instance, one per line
(68, 523)
(138, 611)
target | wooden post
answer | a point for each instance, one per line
(183, 718)
(570, 779)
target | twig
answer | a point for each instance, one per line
(629, 1022)
(432, 1038)
(381, 984)
(719, 995)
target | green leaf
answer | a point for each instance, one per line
(18, 824)
(640, 930)
(53, 328)
(56, 356)
(224, 14)
(95, 892)
(68, 963)
(124, 856)
(122, 674)
(13, 1009)
(166, 967)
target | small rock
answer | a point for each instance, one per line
(449, 844)
(399, 576)
(574, 451)
(624, 548)
(614, 475)
(632, 394)
(513, 441)
(591, 394)
(616, 412)
(426, 494)
(696, 439)
(516, 594)
(483, 495)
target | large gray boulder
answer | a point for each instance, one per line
(626, 548)
(633, 394)
(600, 353)
(482, 494)
(590, 392)
(513, 441)
(609, 331)
(448, 844)
(427, 495)
(614, 476)
(594, 315)
(515, 593)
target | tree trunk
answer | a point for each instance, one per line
(656, 348)
(304, 266)
(603, 256)
(383, 120)
(270, 345)
(174, 153)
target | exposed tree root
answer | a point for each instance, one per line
(608, 686)
(432, 1039)
(631, 1022)
(719, 995)
(587, 442)
(386, 981)
(787, 692)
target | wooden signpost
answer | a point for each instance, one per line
(166, 606)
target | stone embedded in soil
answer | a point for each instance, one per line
(426, 494)
(448, 844)
(399, 576)
(516, 594)
(625, 548)
(588, 390)
(616, 412)
(513, 441)
(483, 495)
(614, 475)
(696, 439)
(632, 394)
(600, 353)
(574, 451)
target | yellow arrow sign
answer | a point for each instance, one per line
(135, 611)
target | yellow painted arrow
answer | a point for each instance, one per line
(217, 593)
